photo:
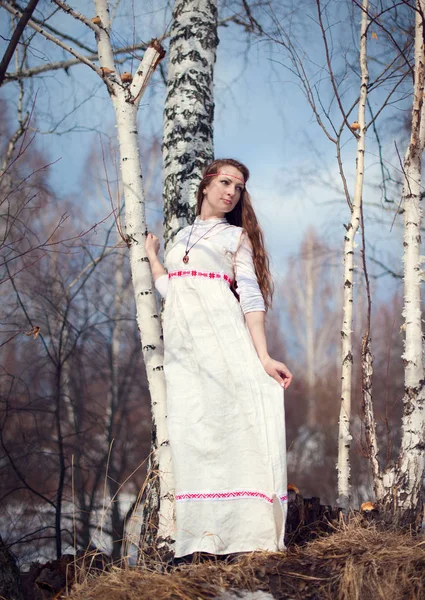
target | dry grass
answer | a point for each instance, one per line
(357, 562)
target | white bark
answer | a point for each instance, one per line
(126, 99)
(406, 492)
(189, 109)
(344, 437)
(369, 418)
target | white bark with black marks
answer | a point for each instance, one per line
(189, 109)
(406, 492)
(372, 448)
(344, 436)
(126, 99)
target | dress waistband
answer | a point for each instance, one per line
(204, 274)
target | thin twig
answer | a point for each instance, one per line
(52, 38)
(17, 34)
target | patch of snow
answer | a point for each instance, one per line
(241, 595)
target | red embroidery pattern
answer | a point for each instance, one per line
(228, 496)
(206, 274)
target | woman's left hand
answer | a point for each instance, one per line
(277, 370)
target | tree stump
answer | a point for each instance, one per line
(307, 518)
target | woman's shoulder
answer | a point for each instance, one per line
(233, 230)
(231, 236)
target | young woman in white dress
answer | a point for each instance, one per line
(225, 410)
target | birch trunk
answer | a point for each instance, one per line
(117, 521)
(344, 437)
(126, 98)
(404, 483)
(189, 109)
(369, 417)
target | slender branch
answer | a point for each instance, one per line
(253, 21)
(385, 102)
(66, 36)
(299, 71)
(21, 476)
(406, 179)
(342, 173)
(66, 64)
(330, 69)
(381, 159)
(17, 34)
(152, 57)
(68, 9)
(52, 38)
(12, 145)
(375, 20)
(93, 263)
(372, 447)
(387, 269)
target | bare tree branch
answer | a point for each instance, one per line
(52, 38)
(17, 34)
(330, 69)
(66, 64)
(68, 9)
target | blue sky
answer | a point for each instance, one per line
(261, 118)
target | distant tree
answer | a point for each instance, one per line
(312, 307)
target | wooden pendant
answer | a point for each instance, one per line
(186, 259)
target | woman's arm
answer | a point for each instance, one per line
(159, 274)
(152, 249)
(278, 370)
(253, 307)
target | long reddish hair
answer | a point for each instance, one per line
(243, 215)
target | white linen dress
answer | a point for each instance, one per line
(226, 420)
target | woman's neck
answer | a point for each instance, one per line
(219, 219)
(207, 214)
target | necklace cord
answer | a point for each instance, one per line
(188, 249)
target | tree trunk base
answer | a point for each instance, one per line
(307, 519)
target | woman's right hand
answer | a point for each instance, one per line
(152, 246)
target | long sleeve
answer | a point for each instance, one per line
(161, 285)
(250, 296)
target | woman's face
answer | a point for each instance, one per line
(223, 192)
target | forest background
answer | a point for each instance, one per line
(75, 412)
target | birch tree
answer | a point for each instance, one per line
(126, 96)
(334, 134)
(126, 91)
(344, 435)
(392, 75)
(187, 148)
(399, 487)
(189, 109)
(406, 492)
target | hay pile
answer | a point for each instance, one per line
(357, 562)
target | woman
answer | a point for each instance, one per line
(224, 392)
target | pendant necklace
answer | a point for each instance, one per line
(188, 249)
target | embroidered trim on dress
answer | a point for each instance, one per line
(227, 496)
(206, 274)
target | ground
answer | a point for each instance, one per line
(357, 561)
